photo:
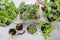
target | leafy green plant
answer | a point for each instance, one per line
(46, 29)
(51, 10)
(28, 12)
(8, 12)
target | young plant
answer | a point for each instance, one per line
(28, 12)
(51, 10)
(8, 12)
(46, 29)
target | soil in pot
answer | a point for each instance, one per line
(12, 31)
(19, 26)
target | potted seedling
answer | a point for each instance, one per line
(29, 12)
(8, 12)
(19, 26)
(16, 31)
(12, 31)
(31, 29)
(51, 10)
(46, 29)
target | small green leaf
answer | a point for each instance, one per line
(2, 25)
(6, 1)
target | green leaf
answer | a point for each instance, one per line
(45, 14)
(57, 0)
(2, 18)
(6, 1)
(12, 5)
(50, 15)
(41, 23)
(2, 25)
(10, 20)
(45, 1)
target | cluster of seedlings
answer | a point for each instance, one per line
(45, 27)
(8, 12)
(28, 12)
(51, 10)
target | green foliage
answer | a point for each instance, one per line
(46, 29)
(52, 10)
(6, 1)
(8, 12)
(2, 24)
(25, 16)
(28, 12)
(22, 7)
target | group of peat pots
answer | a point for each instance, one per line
(13, 31)
(31, 29)
(51, 11)
(45, 27)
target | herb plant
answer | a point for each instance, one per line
(8, 12)
(46, 29)
(51, 10)
(28, 12)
